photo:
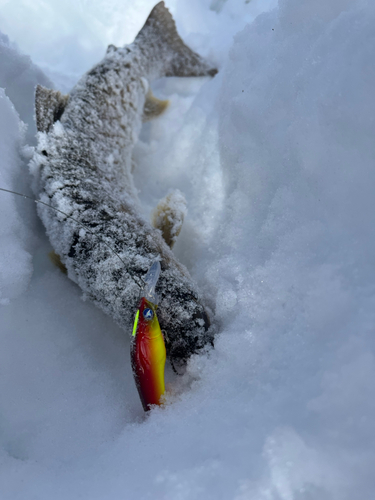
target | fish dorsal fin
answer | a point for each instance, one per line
(169, 215)
(153, 107)
(160, 30)
(49, 107)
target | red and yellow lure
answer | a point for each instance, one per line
(148, 352)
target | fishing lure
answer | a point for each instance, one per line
(148, 353)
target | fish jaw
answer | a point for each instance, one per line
(148, 355)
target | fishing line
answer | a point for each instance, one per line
(132, 275)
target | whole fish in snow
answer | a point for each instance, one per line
(82, 167)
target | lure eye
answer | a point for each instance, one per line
(148, 314)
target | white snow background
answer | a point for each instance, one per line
(276, 158)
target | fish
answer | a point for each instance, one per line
(82, 171)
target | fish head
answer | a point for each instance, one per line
(185, 325)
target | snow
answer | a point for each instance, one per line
(19, 77)
(275, 158)
(15, 260)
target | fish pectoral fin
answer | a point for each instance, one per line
(49, 107)
(153, 107)
(169, 215)
(55, 259)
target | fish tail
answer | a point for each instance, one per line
(179, 60)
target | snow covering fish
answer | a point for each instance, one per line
(82, 166)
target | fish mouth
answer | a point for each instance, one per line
(190, 339)
(202, 319)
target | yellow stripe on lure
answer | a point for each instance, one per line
(148, 352)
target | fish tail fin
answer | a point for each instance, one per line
(160, 31)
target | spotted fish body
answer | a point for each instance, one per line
(82, 166)
(148, 355)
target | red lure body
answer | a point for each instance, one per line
(148, 355)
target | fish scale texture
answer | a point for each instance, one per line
(82, 167)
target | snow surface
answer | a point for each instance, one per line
(275, 156)
(19, 76)
(15, 260)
